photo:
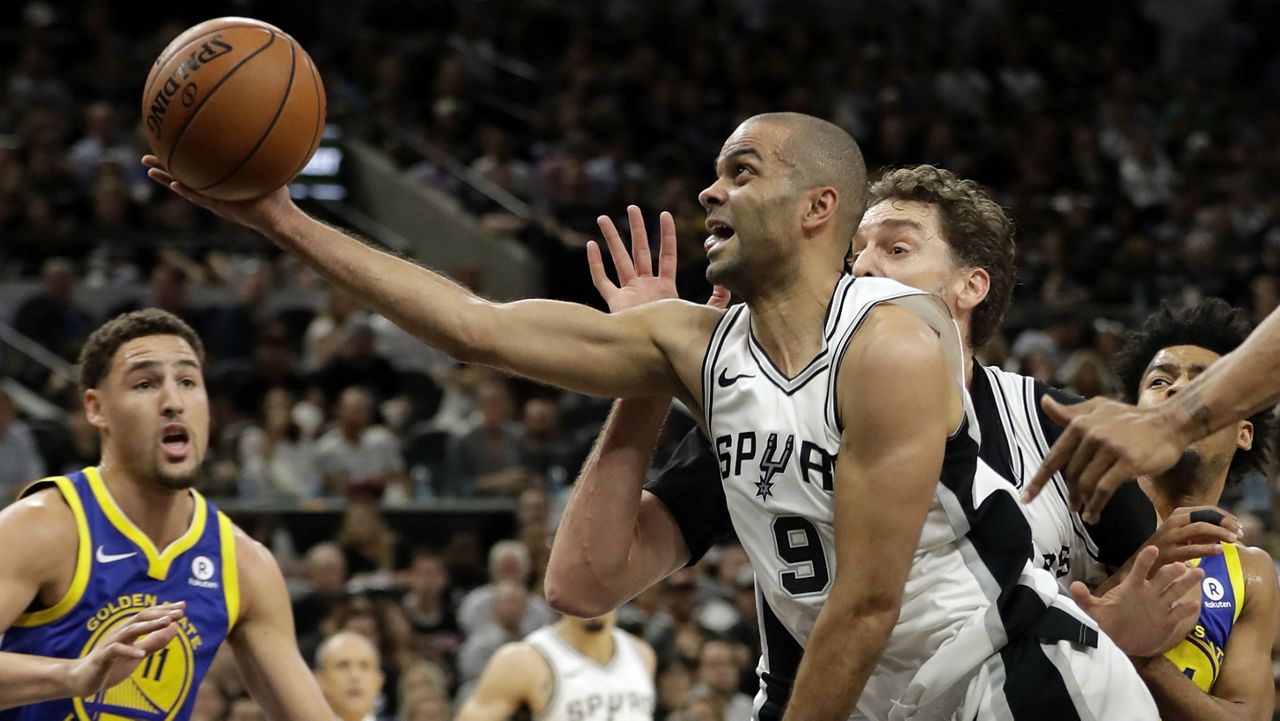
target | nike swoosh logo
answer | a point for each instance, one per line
(104, 557)
(726, 381)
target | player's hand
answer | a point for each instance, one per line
(1146, 616)
(260, 214)
(637, 283)
(119, 654)
(1105, 444)
(1194, 532)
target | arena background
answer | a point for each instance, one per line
(1137, 146)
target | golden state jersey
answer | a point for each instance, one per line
(1199, 656)
(118, 573)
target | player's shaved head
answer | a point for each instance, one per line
(821, 153)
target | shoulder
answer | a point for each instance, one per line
(44, 525)
(647, 654)
(260, 579)
(676, 318)
(892, 336)
(518, 663)
(1259, 571)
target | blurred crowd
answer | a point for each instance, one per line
(1134, 144)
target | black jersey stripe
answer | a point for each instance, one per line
(1033, 686)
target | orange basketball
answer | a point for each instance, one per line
(234, 108)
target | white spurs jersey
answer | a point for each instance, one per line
(777, 439)
(620, 690)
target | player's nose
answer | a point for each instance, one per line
(711, 196)
(171, 399)
(864, 266)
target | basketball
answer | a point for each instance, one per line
(233, 108)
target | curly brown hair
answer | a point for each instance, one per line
(96, 355)
(978, 230)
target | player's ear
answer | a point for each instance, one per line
(977, 283)
(93, 409)
(1244, 436)
(823, 203)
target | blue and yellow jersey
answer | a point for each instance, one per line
(119, 572)
(1199, 656)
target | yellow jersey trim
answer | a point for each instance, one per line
(230, 569)
(84, 558)
(1231, 555)
(157, 562)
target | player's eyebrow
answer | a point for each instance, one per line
(1174, 369)
(152, 364)
(737, 154)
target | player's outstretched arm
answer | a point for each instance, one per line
(263, 640)
(564, 344)
(615, 540)
(1107, 443)
(898, 405)
(1244, 690)
(43, 527)
(516, 676)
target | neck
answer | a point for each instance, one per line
(787, 321)
(160, 513)
(1171, 491)
(596, 646)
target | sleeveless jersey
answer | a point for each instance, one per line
(118, 573)
(971, 586)
(1199, 656)
(620, 690)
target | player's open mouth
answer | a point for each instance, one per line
(720, 232)
(176, 441)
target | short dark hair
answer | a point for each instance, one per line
(976, 228)
(1213, 325)
(96, 355)
(823, 153)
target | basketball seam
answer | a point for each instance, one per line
(164, 59)
(320, 106)
(288, 88)
(200, 106)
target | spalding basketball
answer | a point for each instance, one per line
(234, 108)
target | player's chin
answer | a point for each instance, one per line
(181, 475)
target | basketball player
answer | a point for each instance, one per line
(576, 670)
(1107, 443)
(97, 559)
(928, 229)
(811, 420)
(1222, 670)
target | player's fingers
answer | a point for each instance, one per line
(1058, 456)
(158, 639)
(1190, 552)
(1204, 533)
(1143, 561)
(599, 278)
(618, 251)
(160, 176)
(1088, 466)
(152, 161)
(639, 241)
(124, 650)
(1080, 594)
(667, 246)
(719, 297)
(1062, 414)
(1181, 581)
(1103, 488)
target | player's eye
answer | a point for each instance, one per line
(143, 385)
(1157, 382)
(742, 170)
(898, 250)
(187, 383)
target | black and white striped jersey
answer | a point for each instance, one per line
(972, 586)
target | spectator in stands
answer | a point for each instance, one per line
(350, 675)
(428, 605)
(273, 366)
(674, 632)
(356, 455)
(51, 317)
(357, 363)
(327, 331)
(322, 590)
(22, 462)
(82, 449)
(276, 461)
(234, 326)
(510, 605)
(168, 291)
(486, 460)
(508, 562)
(544, 449)
(368, 543)
(719, 664)
(426, 707)
(534, 530)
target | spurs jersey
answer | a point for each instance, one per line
(119, 572)
(1016, 438)
(1200, 655)
(620, 690)
(972, 588)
